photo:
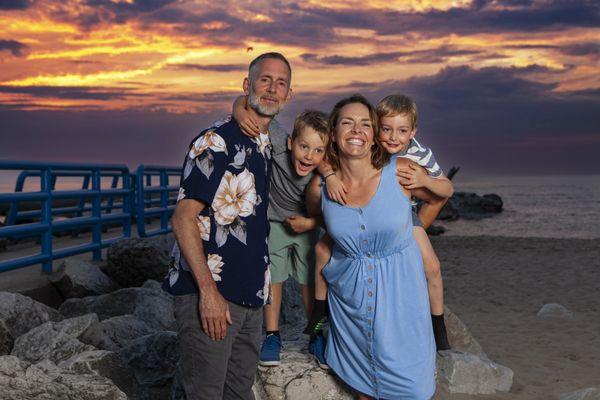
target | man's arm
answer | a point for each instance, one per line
(213, 308)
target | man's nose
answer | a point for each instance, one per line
(272, 87)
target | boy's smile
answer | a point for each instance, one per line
(396, 132)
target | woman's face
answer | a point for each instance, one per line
(353, 132)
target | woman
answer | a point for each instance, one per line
(380, 340)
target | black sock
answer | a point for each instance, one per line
(320, 311)
(439, 332)
(276, 333)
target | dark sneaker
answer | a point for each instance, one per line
(269, 352)
(317, 348)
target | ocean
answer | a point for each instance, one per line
(561, 206)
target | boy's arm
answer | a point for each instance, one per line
(413, 176)
(336, 190)
(247, 124)
(301, 224)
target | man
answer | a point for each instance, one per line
(219, 272)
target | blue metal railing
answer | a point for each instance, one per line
(155, 200)
(98, 213)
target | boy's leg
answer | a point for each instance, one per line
(319, 309)
(435, 287)
(273, 310)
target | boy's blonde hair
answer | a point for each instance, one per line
(398, 104)
(316, 120)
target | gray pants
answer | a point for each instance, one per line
(214, 370)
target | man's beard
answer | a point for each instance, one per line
(261, 109)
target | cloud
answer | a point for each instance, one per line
(581, 49)
(72, 92)
(14, 4)
(210, 67)
(17, 49)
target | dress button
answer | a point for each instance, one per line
(370, 294)
(360, 211)
(369, 321)
(365, 241)
(370, 280)
(368, 254)
(369, 309)
(362, 227)
(370, 267)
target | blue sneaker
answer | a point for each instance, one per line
(317, 349)
(269, 352)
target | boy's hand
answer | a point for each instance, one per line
(246, 122)
(299, 224)
(412, 177)
(336, 190)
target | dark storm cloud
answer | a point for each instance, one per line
(14, 4)
(17, 49)
(210, 67)
(72, 92)
(582, 49)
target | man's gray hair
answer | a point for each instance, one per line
(253, 68)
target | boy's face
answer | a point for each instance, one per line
(307, 151)
(396, 132)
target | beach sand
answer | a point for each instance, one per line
(496, 285)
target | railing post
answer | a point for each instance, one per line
(127, 203)
(164, 198)
(46, 218)
(139, 209)
(97, 213)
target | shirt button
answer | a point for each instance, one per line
(370, 280)
(370, 294)
(362, 227)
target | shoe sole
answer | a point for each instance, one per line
(324, 366)
(269, 363)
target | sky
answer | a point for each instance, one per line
(503, 87)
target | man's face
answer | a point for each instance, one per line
(270, 88)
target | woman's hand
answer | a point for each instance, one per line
(412, 176)
(246, 122)
(300, 224)
(336, 190)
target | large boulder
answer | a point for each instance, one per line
(461, 372)
(153, 359)
(106, 364)
(298, 377)
(471, 206)
(130, 262)
(21, 380)
(459, 336)
(19, 314)
(55, 341)
(150, 306)
(79, 278)
(116, 333)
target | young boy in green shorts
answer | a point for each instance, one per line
(292, 236)
(398, 126)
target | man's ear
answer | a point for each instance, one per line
(246, 86)
(289, 143)
(289, 95)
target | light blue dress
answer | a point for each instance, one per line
(380, 340)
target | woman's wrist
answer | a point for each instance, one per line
(332, 173)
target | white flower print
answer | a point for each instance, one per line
(173, 273)
(204, 227)
(263, 145)
(236, 196)
(214, 264)
(210, 140)
(265, 292)
(181, 194)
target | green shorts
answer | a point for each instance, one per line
(291, 254)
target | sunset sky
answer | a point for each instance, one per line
(504, 87)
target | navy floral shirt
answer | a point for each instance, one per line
(229, 172)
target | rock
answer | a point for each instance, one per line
(19, 314)
(115, 333)
(471, 206)
(554, 310)
(153, 359)
(435, 230)
(459, 336)
(78, 278)
(55, 341)
(106, 364)
(292, 319)
(298, 377)
(152, 307)
(21, 380)
(591, 393)
(460, 372)
(154, 285)
(130, 262)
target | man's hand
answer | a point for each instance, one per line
(300, 224)
(336, 190)
(412, 177)
(247, 123)
(214, 314)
